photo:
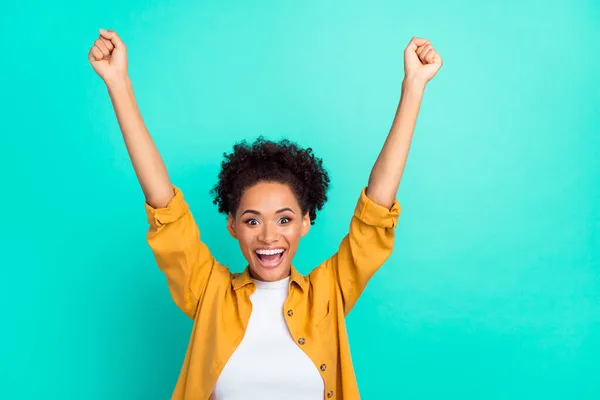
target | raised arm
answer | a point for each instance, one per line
(108, 57)
(370, 240)
(421, 63)
(173, 234)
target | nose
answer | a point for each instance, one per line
(268, 234)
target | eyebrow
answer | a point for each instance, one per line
(277, 212)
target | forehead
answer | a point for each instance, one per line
(268, 197)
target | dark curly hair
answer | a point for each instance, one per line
(264, 160)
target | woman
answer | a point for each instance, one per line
(269, 332)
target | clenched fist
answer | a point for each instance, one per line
(108, 57)
(421, 61)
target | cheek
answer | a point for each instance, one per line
(245, 237)
(292, 233)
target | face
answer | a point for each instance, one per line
(268, 225)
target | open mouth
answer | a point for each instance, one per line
(269, 258)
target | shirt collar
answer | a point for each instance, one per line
(243, 279)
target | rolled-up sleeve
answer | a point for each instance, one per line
(375, 214)
(366, 247)
(174, 238)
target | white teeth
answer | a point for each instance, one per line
(269, 252)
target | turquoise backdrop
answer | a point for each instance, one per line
(493, 291)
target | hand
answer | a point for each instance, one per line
(108, 57)
(421, 61)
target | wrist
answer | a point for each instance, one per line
(411, 84)
(118, 83)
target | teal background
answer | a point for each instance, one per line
(493, 291)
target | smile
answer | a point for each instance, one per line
(269, 258)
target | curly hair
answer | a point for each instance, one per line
(268, 161)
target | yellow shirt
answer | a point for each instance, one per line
(219, 301)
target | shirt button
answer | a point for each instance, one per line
(330, 393)
(323, 367)
(290, 313)
(301, 340)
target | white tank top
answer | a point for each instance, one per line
(268, 364)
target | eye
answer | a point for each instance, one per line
(285, 220)
(252, 222)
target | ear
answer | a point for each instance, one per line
(231, 226)
(305, 224)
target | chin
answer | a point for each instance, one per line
(272, 275)
(271, 272)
